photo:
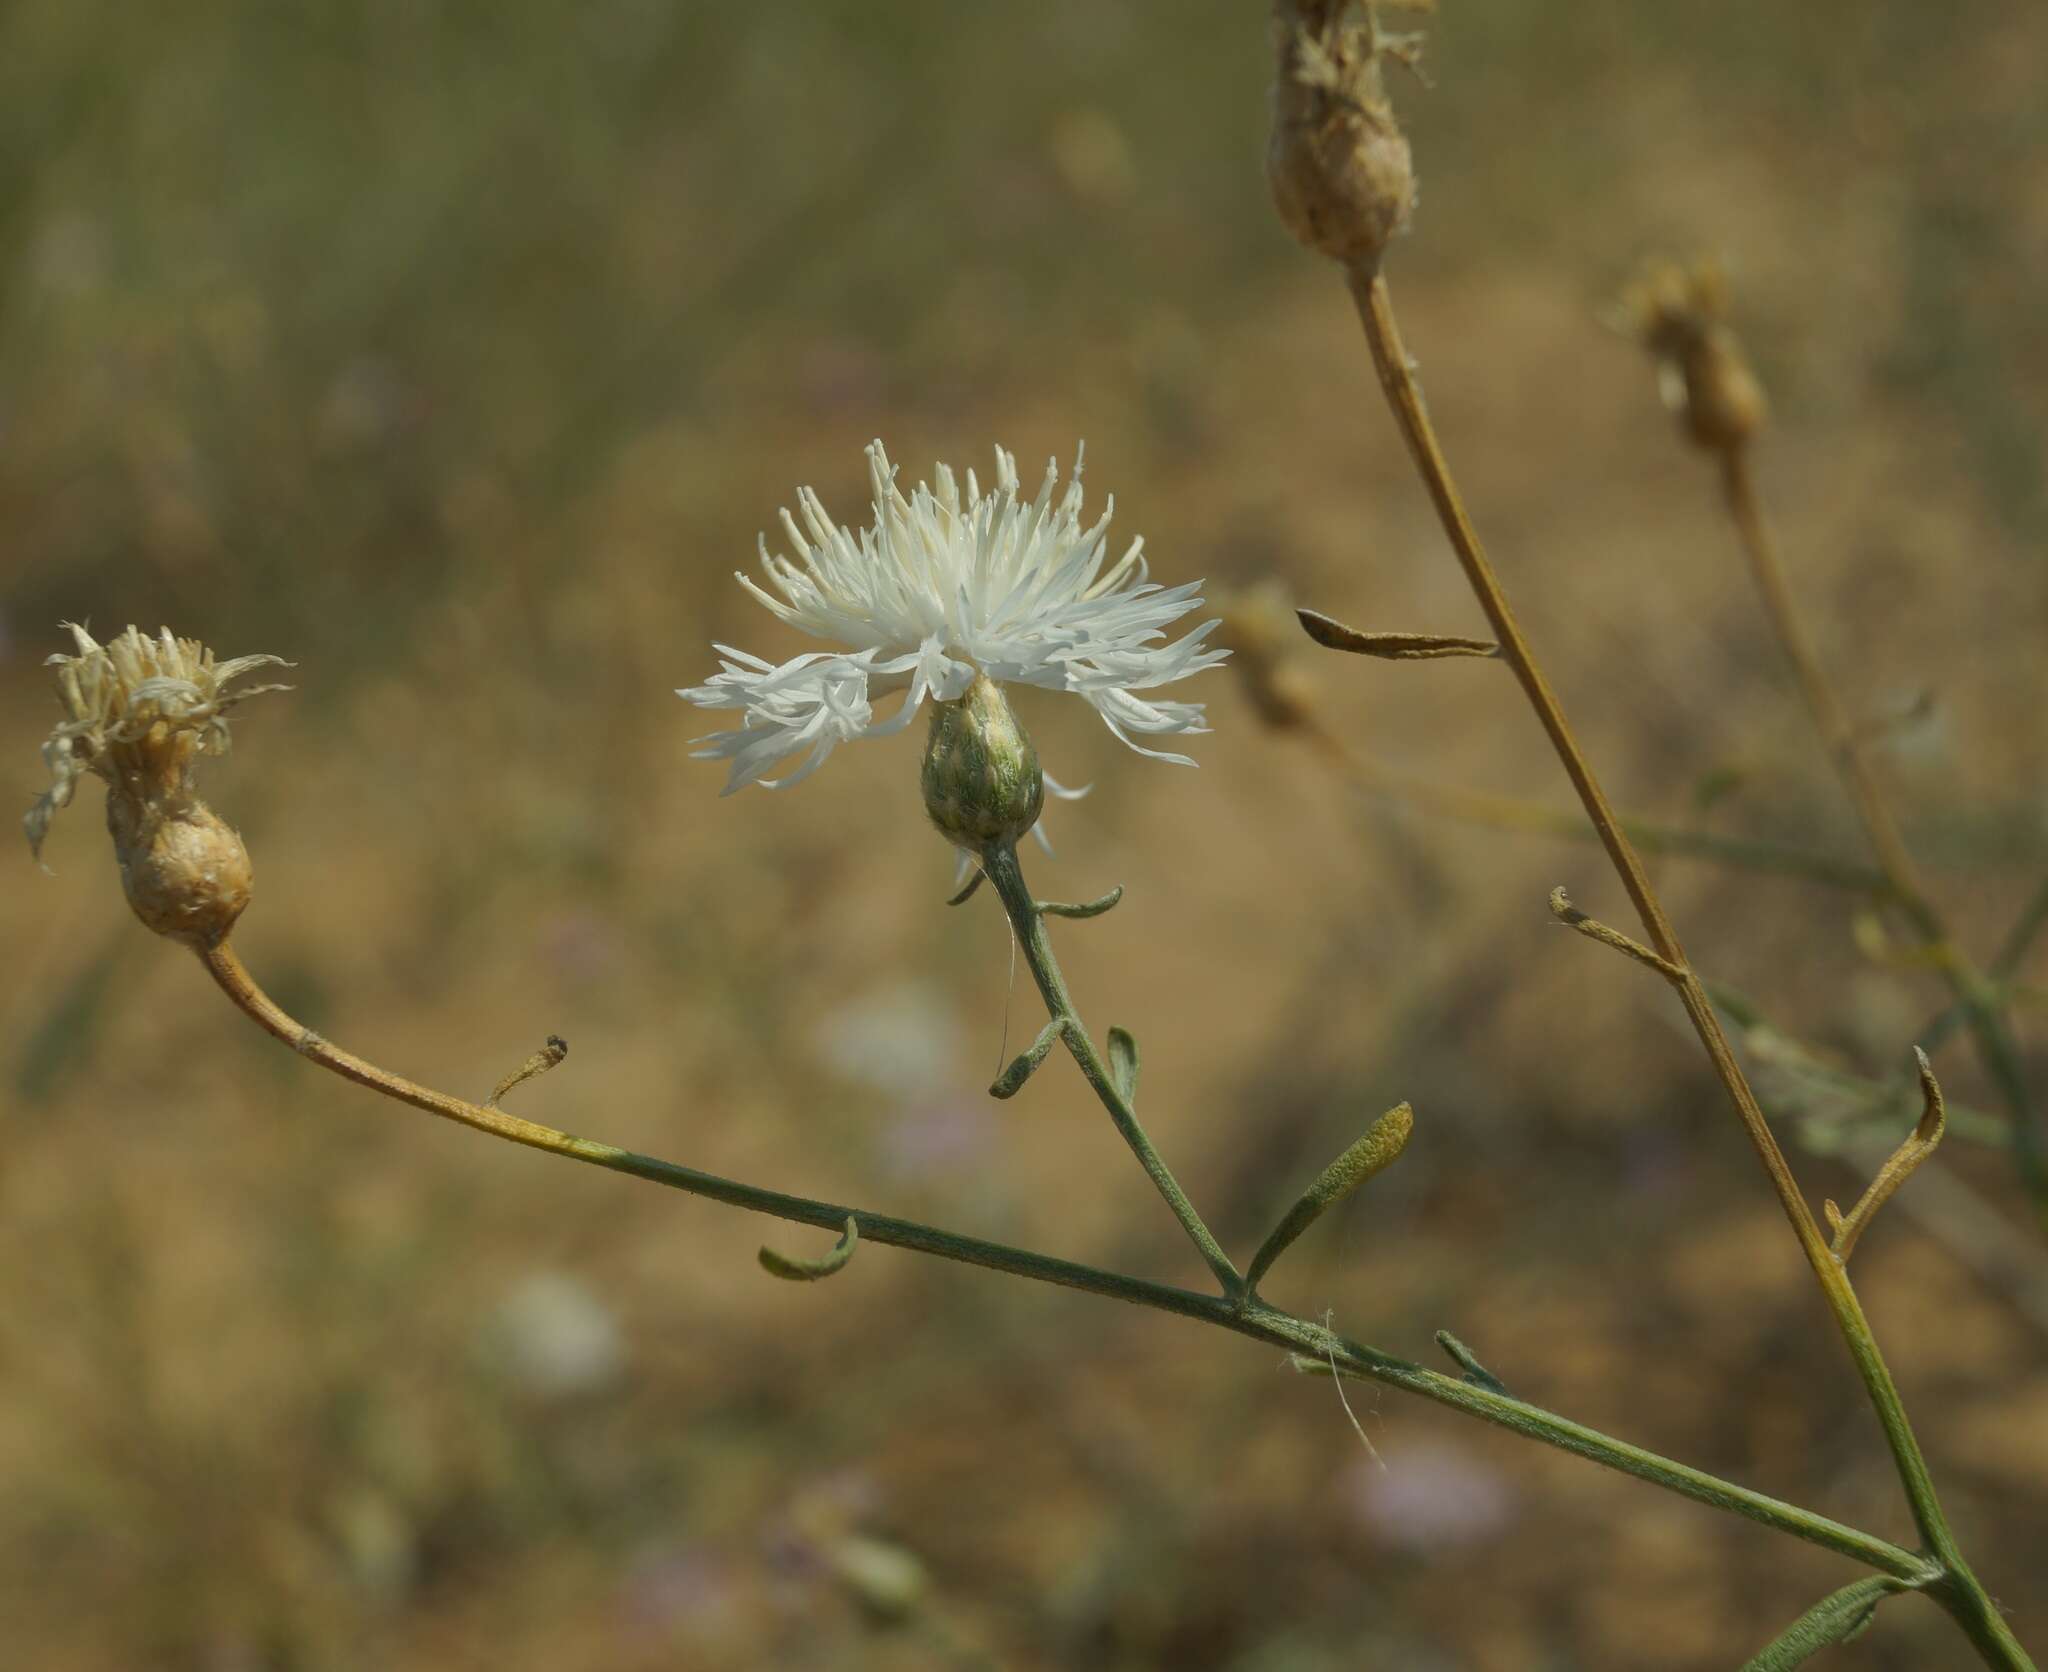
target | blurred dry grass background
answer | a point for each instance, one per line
(457, 351)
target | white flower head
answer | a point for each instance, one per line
(943, 587)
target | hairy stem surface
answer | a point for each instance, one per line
(1027, 921)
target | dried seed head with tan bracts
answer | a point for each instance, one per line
(1679, 313)
(1337, 162)
(138, 713)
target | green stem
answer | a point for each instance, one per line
(233, 978)
(1248, 1317)
(1027, 919)
(1972, 1609)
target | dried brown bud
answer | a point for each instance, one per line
(138, 713)
(1679, 314)
(1337, 162)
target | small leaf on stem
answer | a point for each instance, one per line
(1899, 1166)
(1123, 1065)
(532, 1068)
(1475, 1373)
(1087, 908)
(1383, 1142)
(1834, 1619)
(1011, 1080)
(792, 1270)
(1592, 928)
(1390, 647)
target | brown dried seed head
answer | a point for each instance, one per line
(1724, 403)
(186, 874)
(139, 712)
(1679, 315)
(1338, 164)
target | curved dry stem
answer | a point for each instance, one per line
(1898, 1167)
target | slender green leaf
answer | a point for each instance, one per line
(1383, 1141)
(1834, 1619)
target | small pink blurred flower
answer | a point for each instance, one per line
(1428, 1498)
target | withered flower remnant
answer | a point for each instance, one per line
(138, 713)
(1337, 162)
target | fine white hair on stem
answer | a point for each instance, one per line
(1344, 1399)
(939, 587)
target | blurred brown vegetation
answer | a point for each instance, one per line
(457, 351)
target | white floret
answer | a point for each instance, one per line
(941, 587)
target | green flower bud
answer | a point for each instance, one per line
(982, 786)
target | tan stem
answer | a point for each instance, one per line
(1404, 397)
